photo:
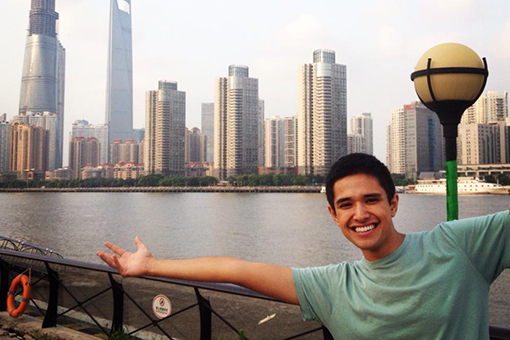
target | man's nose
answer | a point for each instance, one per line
(360, 212)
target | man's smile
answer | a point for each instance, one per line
(363, 229)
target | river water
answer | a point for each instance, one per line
(286, 229)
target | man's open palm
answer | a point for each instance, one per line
(126, 263)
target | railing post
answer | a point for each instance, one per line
(4, 285)
(327, 334)
(118, 304)
(50, 319)
(204, 307)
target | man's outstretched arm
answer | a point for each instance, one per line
(268, 279)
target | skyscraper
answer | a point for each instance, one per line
(119, 88)
(415, 140)
(322, 113)
(274, 153)
(82, 128)
(362, 126)
(4, 144)
(27, 147)
(236, 123)
(165, 117)
(208, 129)
(195, 146)
(261, 133)
(483, 136)
(42, 82)
(290, 135)
(82, 152)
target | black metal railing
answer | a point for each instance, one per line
(55, 296)
(78, 291)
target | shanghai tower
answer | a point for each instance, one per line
(119, 88)
(42, 82)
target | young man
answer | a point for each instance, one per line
(428, 285)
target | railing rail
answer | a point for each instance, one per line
(9, 267)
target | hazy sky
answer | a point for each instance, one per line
(193, 42)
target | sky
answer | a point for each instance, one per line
(193, 42)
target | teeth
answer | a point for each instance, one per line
(365, 228)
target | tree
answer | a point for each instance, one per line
(150, 180)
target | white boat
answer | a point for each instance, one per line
(465, 186)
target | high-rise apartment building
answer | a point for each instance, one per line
(362, 126)
(274, 143)
(49, 122)
(480, 144)
(262, 150)
(43, 78)
(82, 128)
(4, 143)
(395, 141)
(208, 130)
(490, 107)
(119, 88)
(483, 134)
(27, 151)
(124, 151)
(356, 143)
(236, 123)
(322, 113)
(83, 151)
(195, 146)
(165, 117)
(415, 139)
(290, 144)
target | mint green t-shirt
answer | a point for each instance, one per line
(434, 286)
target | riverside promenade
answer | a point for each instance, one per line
(218, 189)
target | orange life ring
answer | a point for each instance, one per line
(11, 306)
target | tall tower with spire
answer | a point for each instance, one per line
(119, 88)
(42, 82)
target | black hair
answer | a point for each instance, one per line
(359, 163)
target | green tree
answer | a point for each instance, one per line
(150, 180)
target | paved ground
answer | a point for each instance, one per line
(13, 328)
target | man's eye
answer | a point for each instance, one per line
(372, 200)
(344, 205)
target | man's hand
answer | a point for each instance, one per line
(126, 263)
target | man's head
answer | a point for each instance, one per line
(359, 163)
(362, 202)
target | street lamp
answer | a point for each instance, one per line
(448, 79)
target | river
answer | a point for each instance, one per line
(286, 229)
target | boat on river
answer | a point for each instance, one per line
(465, 186)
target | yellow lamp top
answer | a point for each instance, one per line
(456, 73)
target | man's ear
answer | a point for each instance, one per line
(394, 205)
(333, 214)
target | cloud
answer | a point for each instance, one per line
(452, 6)
(390, 40)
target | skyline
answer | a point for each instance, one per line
(377, 41)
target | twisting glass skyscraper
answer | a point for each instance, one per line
(119, 88)
(42, 82)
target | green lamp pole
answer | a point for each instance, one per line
(448, 79)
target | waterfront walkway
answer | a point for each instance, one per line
(290, 189)
(28, 328)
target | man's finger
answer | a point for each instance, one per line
(116, 249)
(138, 242)
(109, 259)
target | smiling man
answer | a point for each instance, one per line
(428, 285)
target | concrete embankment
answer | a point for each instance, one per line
(294, 189)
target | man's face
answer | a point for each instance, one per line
(364, 215)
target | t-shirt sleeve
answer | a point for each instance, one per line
(485, 240)
(314, 287)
